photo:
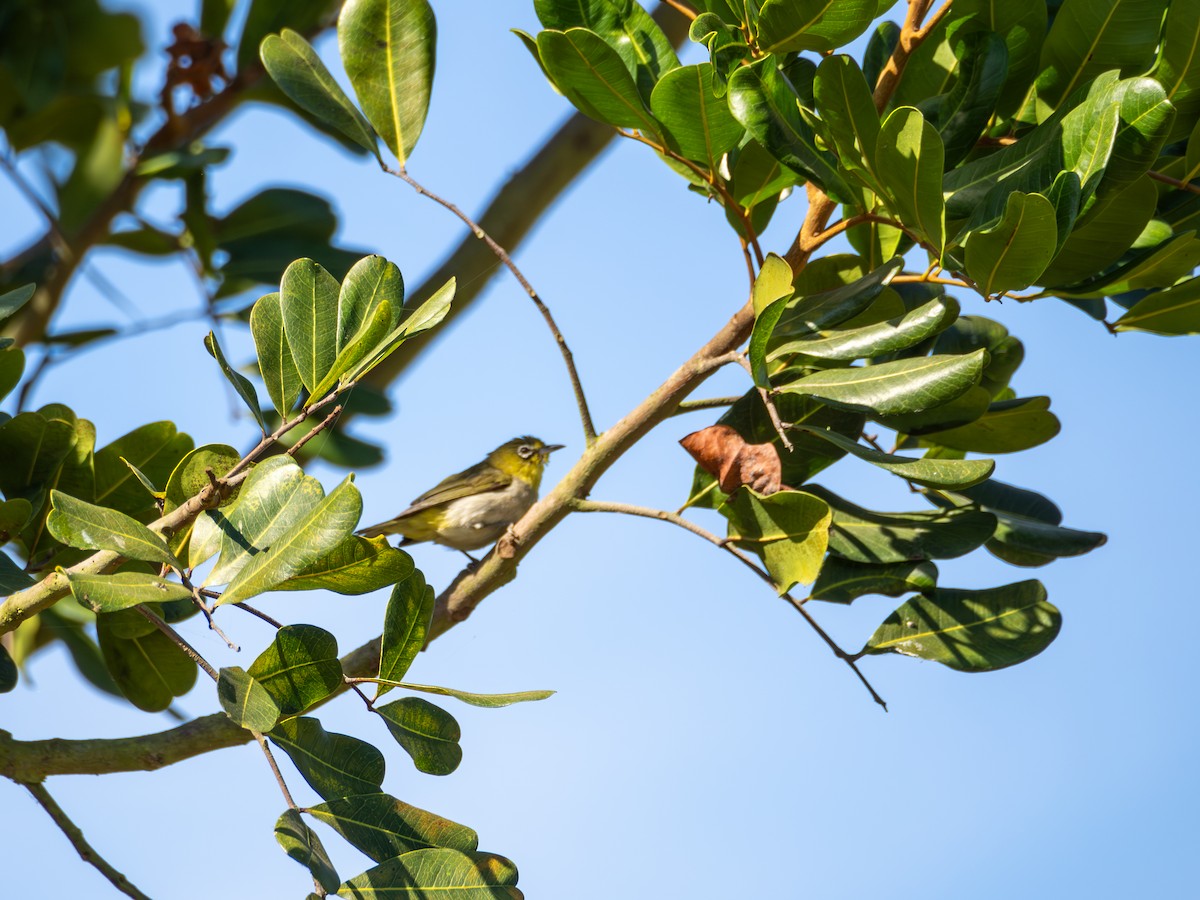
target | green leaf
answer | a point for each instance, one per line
(246, 701)
(309, 302)
(935, 473)
(909, 159)
(414, 320)
(487, 701)
(8, 671)
(892, 388)
(786, 26)
(300, 74)
(592, 75)
(274, 497)
(1023, 27)
(848, 110)
(13, 516)
(1157, 266)
(299, 668)
(372, 281)
(626, 27)
(963, 114)
(428, 734)
(972, 631)
(767, 106)
(1021, 541)
(357, 565)
(1104, 235)
(762, 100)
(388, 49)
(889, 336)
(110, 593)
(12, 366)
(1173, 311)
(1009, 426)
(1012, 254)
(367, 340)
(774, 282)
(405, 626)
(241, 384)
(12, 578)
(383, 827)
(866, 536)
(843, 581)
(1178, 66)
(11, 301)
(155, 449)
(149, 670)
(308, 538)
(334, 765)
(189, 477)
(697, 121)
(1092, 36)
(789, 530)
(274, 355)
(145, 481)
(33, 448)
(810, 313)
(302, 844)
(80, 524)
(420, 873)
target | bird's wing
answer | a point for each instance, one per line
(478, 479)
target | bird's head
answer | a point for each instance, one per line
(523, 458)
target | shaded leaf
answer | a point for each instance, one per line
(383, 827)
(428, 734)
(246, 701)
(11, 301)
(487, 701)
(866, 536)
(1012, 254)
(842, 580)
(1008, 426)
(12, 577)
(972, 631)
(1173, 311)
(302, 844)
(789, 530)
(416, 874)
(334, 765)
(299, 668)
(8, 671)
(405, 626)
(149, 670)
(846, 344)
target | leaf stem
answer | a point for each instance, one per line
(85, 850)
(585, 415)
(664, 516)
(688, 406)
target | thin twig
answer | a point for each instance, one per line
(769, 403)
(85, 850)
(663, 516)
(688, 406)
(353, 683)
(682, 8)
(178, 640)
(585, 415)
(259, 613)
(324, 423)
(1174, 182)
(287, 795)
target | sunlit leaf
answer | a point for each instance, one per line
(383, 827)
(246, 701)
(428, 734)
(842, 580)
(80, 524)
(334, 765)
(450, 873)
(299, 668)
(109, 593)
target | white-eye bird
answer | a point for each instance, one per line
(474, 507)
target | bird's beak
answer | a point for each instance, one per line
(550, 448)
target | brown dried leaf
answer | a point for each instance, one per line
(725, 455)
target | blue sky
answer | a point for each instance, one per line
(703, 743)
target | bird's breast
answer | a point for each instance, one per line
(475, 521)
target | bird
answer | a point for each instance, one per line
(474, 507)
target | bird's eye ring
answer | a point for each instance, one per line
(524, 451)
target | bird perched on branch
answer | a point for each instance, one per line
(474, 507)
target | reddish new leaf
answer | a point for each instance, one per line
(725, 455)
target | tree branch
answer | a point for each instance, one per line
(85, 850)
